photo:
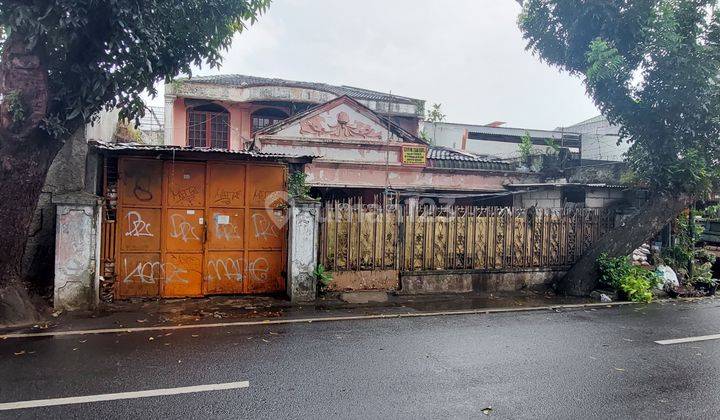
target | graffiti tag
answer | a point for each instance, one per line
(181, 228)
(263, 227)
(137, 226)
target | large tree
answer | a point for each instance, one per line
(62, 62)
(652, 67)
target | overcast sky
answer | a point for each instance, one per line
(466, 54)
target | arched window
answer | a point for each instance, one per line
(265, 117)
(208, 126)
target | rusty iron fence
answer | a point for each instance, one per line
(361, 236)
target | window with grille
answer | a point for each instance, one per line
(266, 117)
(208, 126)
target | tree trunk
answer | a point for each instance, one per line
(582, 277)
(26, 152)
(24, 162)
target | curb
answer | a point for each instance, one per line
(486, 311)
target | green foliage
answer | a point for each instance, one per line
(106, 53)
(677, 257)
(16, 108)
(322, 276)
(525, 148)
(711, 212)
(553, 148)
(702, 274)
(636, 282)
(435, 114)
(297, 185)
(651, 67)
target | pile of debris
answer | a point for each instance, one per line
(641, 256)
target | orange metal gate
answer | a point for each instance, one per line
(199, 228)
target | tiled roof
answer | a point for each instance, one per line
(102, 145)
(240, 80)
(443, 157)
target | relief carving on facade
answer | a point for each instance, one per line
(343, 129)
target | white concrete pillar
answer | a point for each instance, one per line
(169, 113)
(76, 251)
(303, 239)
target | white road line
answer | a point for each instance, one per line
(689, 339)
(122, 395)
(484, 311)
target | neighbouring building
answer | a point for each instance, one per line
(367, 141)
(600, 141)
(494, 141)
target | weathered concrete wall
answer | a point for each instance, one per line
(76, 253)
(477, 281)
(303, 227)
(66, 174)
(364, 280)
(542, 198)
(276, 93)
(608, 173)
(71, 171)
(603, 197)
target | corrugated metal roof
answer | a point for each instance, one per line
(564, 184)
(443, 157)
(241, 80)
(169, 148)
(510, 131)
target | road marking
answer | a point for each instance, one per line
(689, 339)
(485, 311)
(122, 395)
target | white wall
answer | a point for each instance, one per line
(451, 135)
(599, 140)
(103, 128)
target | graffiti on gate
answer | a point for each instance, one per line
(258, 270)
(225, 269)
(227, 231)
(181, 228)
(232, 269)
(137, 227)
(227, 197)
(151, 272)
(187, 194)
(264, 227)
(141, 190)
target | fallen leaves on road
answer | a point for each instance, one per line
(619, 369)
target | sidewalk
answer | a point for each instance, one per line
(260, 309)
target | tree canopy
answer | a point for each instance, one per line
(652, 67)
(105, 53)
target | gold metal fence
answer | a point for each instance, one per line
(359, 236)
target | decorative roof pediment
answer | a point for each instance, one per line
(340, 119)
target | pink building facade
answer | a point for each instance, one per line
(366, 142)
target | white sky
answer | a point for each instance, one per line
(466, 54)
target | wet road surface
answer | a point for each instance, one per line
(591, 363)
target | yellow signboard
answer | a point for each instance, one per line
(414, 155)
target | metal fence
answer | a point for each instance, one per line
(360, 236)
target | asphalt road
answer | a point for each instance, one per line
(576, 364)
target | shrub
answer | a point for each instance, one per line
(323, 277)
(635, 282)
